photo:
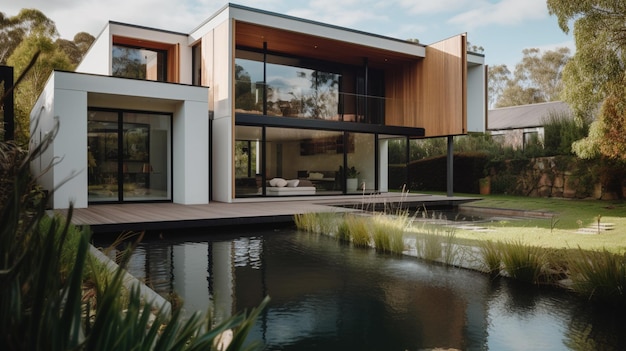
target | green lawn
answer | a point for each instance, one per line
(557, 232)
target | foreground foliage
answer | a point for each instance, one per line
(42, 262)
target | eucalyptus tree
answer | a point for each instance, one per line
(597, 72)
(537, 78)
(13, 30)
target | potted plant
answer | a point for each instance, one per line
(352, 177)
(484, 185)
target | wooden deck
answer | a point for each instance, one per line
(164, 216)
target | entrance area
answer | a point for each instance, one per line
(129, 156)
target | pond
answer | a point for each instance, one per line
(326, 295)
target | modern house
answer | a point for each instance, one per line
(516, 126)
(249, 104)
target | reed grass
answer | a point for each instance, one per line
(491, 257)
(430, 246)
(306, 221)
(523, 262)
(388, 233)
(450, 248)
(358, 226)
(599, 275)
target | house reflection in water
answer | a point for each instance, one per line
(321, 290)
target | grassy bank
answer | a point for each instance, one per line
(533, 250)
(561, 230)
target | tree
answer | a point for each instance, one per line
(77, 48)
(498, 77)
(537, 78)
(14, 29)
(50, 58)
(596, 73)
(21, 38)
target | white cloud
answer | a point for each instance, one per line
(505, 12)
(346, 13)
(421, 7)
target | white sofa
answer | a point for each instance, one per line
(283, 187)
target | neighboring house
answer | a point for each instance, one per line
(516, 126)
(247, 97)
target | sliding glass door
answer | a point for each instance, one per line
(129, 156)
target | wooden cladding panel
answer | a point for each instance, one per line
(314, 47)
(401, 87)
(430, 93)
(443, 90)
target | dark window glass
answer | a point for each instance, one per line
(130, 62)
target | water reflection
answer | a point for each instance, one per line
(329, 296)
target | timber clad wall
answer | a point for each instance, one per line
(402, 88)
(431, 93)
(443, 88)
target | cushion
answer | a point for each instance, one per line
(293, 183)
(305, 182)
(316, 175)
(278, 182)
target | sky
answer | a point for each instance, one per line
(502, 27)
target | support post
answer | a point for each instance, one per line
(450, 166)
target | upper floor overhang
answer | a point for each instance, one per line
(255, 28)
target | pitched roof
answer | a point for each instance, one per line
(524, 116)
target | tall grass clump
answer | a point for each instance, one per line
(599, 275)
(343, 231)
(450, 249)
(523, 262)
(431, 246)
(388, 233)
(306, 221)
(358, 227)
(380, 235)
(491, 257)
(323, 222)
(327, 222)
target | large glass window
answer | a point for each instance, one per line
(139, 63)
(293, 87)
(248, 153)
(249, 86)
(129, 156)
(315, 158)
(302, 92)
(361, 171)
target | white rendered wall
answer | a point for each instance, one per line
(476, 98)
(383, 170)
(98, 59)
(190, 154)
(222, 169)
(42, 123)
(70, 146)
